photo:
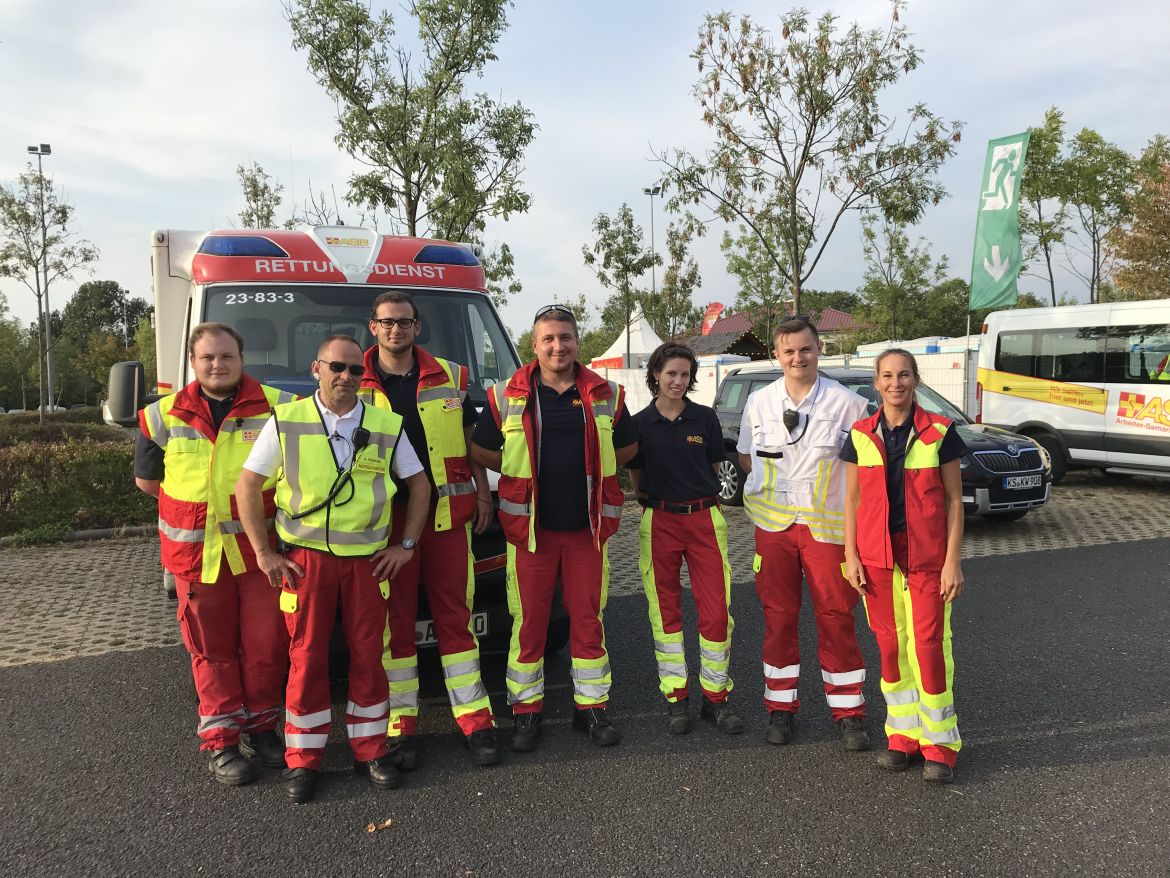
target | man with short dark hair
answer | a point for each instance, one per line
(430, 395)
(189, 454)
(789, 440)
(557, 432)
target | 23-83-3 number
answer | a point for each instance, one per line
(258, 298)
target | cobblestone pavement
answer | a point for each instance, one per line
(84, 599)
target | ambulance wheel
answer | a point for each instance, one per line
(558, 636)
(731, 479)
(1055, 454)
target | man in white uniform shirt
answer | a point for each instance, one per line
(789, 441)
(334, 457)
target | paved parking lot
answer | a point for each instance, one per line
(87, 599)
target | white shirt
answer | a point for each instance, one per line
(266, 456)
(826, 415)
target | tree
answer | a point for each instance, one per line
(145, 350)
(440, 162)
(1099, 176)
(1142, 245)
(800, 138)
(105, 308)
(618, 259)
(673, 309)
(262, 196)
(38, 248)
(762, 289)
(1043, 213)
(897, 278)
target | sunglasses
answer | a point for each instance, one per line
(391, 322)
(356, 370)
(556, 310)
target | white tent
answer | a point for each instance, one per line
(643, 341)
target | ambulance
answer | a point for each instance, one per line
(1089, 383)
(285, 291)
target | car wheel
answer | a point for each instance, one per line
(1055, 455)
(1011, 515)
(731, 479)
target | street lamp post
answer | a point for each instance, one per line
(651, 191)
(40, 151)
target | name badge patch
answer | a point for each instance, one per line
(250, 435)
(371, 465)
(451, 403)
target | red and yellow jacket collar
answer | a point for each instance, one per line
(191, 407)
(430, 373)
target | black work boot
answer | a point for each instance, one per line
(893, 760)
(526, 733)
(265, 747)
(678, 717)
(230, 768)
(299, 784)
(724, 718)
(381, 771)
(483, 747)
(780, 727)
(595, 723)
(853, 733)
(937, 772)
(402, 753)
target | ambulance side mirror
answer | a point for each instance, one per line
(127, 393)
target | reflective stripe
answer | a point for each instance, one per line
(451, 489)
(459, 668)
(221, 721)
(401, 675)
(903, 723)
(847, 678)
(309, 720)
(845, 700)
(400, 700)
(578, 673)
(937, 715)
(522, 677)
(461, 695)
(181, 432)
(611, 511)
(771, 672)
(371, 712)
(300, 530)
(711, 675)
(591, 690)
(524, 694)
(782, 696)
(515, 508)
(950, 736)
(714, 655)
(306, 741)
(905, 696)
(180, 534)
(364, 730)
(672, 669)
(157, 425)
(670, 647)
(231, 425)
(432, 393)
(237, 527)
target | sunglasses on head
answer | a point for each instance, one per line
(356, 370)
(556, 309)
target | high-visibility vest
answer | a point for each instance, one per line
(198, 523)
(357, 521)
(442, 388)
(1161, 372)
(926, 511)
(515, 416)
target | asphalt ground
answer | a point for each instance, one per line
(1062, 693)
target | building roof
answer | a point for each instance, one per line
(720, 342)
(832, 320)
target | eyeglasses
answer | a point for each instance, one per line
(354, 369)
(391, 322)
(556, 309)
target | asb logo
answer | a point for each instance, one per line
(695, 440)
(1129, 404)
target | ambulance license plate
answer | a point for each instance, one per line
(424, 629)
(1021, 483)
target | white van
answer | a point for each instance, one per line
(1090, 383)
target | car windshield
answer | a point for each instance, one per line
(282, 325)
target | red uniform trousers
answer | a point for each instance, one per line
(911, 624)
(445, 559)
(781, 556)
(665, 539)
(532, 579)
(239, 653)
(310, 609)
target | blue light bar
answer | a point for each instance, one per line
(240, 245)
(446, 254)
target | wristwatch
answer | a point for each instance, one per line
(409, 544)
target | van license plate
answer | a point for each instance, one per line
(424, 629)
(1020, 483)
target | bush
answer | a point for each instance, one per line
(24, 430)
(80, 483)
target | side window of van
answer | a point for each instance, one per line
(1073, 354)
(1138, 354)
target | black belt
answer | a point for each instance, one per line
(680, 508)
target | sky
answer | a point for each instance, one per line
(149, 108)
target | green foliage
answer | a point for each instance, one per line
(262, 198)
(440, 161)
(1141, 245)
(618, 258)
(799, 135)
(1043, 211)
(500, 272)
(899, 273)
(673, 310)
(145, 350)
(1098, 177)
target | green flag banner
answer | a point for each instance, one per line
(996, 263)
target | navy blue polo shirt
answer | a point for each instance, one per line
(675, 457)
(896, 438)
(562, 502)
